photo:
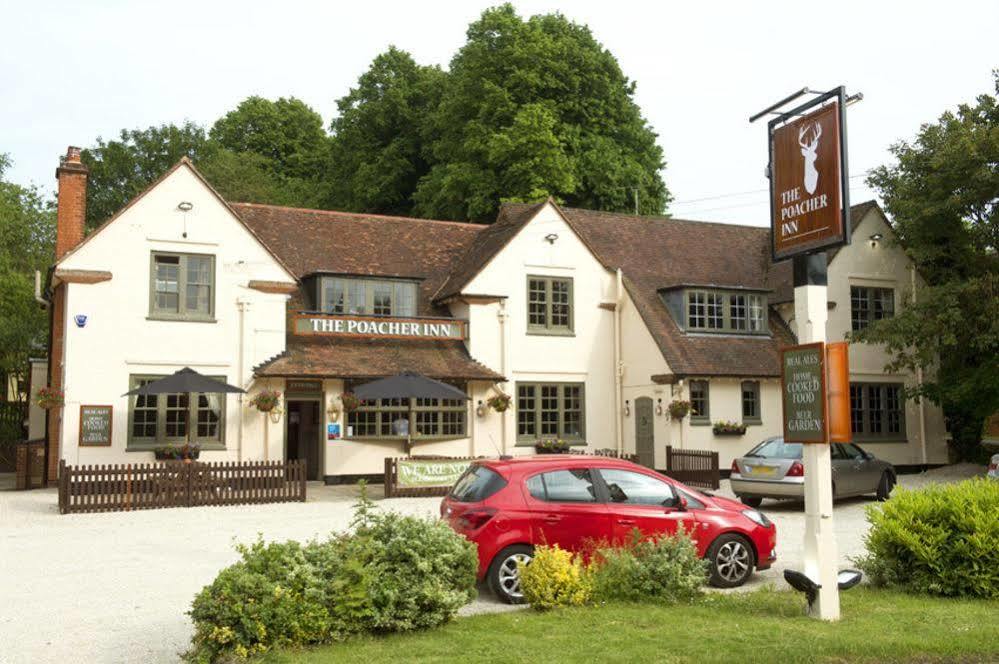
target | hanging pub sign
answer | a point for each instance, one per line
(803, 393)
(379, 327)
(809, 184)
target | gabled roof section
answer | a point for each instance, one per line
(490, 241)
(184, 161)
(326, 241)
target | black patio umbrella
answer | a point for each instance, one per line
(186, 380)
(408, 385)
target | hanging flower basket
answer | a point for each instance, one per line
(679, 409)
(500, 402)
(49, 398)
(728, 429)
(349, 401)
(552, 446)
(266, 401)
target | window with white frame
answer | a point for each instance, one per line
(725, 311)
(376, 297)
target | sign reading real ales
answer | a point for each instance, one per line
(95, 426)
(806, 182)
(803, 393)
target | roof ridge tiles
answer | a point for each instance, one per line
(361, 215)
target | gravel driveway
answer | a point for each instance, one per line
(115, 587)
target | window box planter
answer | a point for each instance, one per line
(728, 429)
(177, 453)
(552, 447)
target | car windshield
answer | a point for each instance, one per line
(478, 483)
(776, 448)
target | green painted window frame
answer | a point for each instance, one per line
(182, 314)
(402, 304)
(751, 387)
(549, 328)
(705, 318)
(535, 400)
(384, 412)
(871, 403)
(868, 304)
(145, 444)
(696, 416)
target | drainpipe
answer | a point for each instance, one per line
(919, 381)
(618, 368)
(38, 291)
(241, 305)
(502, 315)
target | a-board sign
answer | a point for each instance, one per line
(95, 426)
(429, 472)
(808, 208)
(803, 393)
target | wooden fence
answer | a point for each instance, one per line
(697, 468)
(117, 487)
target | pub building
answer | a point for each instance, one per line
(593, 323)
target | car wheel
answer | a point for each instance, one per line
(885, 486)
(751, 501)
(504, 574)
(732, 561)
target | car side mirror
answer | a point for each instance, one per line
(682, 504)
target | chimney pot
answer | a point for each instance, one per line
(73, 154)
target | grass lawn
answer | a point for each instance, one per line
(762, 626)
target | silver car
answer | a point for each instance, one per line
(773, 469)
(993, 470)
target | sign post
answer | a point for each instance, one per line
(810, 213)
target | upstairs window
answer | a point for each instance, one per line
(870, 304)
(374, 297)
(720, 311)
(549, 305)
(182, 287)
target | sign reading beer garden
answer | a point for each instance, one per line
(803, 392)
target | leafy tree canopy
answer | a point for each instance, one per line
(377, 148)
(533, 108)
(943, 195)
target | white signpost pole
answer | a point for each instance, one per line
(821, 560)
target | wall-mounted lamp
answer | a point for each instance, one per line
(659, 406)
(480, 409)
(185, 206)
(875, 238)
(627, 408)
(551, 237)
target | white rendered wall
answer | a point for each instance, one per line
(119, 339)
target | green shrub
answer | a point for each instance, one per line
(393, 573)
(942, 540)
(663, 570)
(555, 577)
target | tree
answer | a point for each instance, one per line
(943, 196)
(286, 133)
(27, 238)
(377, 150)
(536, 108)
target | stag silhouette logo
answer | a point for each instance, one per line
(809, 149)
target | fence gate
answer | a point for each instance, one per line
(697, 468)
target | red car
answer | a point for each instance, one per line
(507, 506)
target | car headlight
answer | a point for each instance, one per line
(757, 517)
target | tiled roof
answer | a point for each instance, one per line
(310, 241)
(367, 358)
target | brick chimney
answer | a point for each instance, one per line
(72, 211)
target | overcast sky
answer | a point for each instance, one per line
(73, 71)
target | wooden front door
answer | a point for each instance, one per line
(645, 436)
(303, 440)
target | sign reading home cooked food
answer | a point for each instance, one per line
(377, 327)
(414, 473)
(95, 426)
(803, 393)
(809, 201)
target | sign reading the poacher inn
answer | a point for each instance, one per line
(378, 327)
(806, 172)
(803, 393)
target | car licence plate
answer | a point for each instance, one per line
(762, 471)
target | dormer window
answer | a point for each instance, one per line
(377, 297)
(725, 311)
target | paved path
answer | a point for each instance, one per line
(115, 587)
